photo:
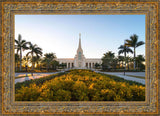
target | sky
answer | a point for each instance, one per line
(99, 33)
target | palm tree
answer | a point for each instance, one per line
(139, 62)
(20, 45)
(133, 42)
(114, 63)
(128, 61)
(107, 60)
(35, 60)
(54, 64)
(16, 61)
(124, 49)
(26, 60)
(49, 57)
(120, 59)
(34, 50)
(97, 65)
(38, 62)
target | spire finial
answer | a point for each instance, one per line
(79, 35)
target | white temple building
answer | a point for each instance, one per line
(79, 61)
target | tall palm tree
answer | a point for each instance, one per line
(34, 50)
(21, 45)
(124, 49)
(133, 42)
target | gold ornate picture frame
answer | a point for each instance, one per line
(152, 45)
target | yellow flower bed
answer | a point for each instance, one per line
(81, 85)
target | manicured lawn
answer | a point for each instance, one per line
(136, 76)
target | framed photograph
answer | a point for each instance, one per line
(79, 57)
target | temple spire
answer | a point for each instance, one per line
(79, 47)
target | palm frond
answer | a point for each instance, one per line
(120, 52)
(129, 50)
(28, 53)
(121, 47)
(139, 43)
(19, 37)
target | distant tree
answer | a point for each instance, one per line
(35, 60)
(63, 65)
(139, 62)
(97, 65)
(48, 58)
(39, 62)
(124, 49)
(54, 64)
(34, 51)
(107, 60)
(114, 63)
(120, 60)
(128, 59)
(21, 45)
(25, 61)
(133, 42)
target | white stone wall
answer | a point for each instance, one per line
(87, 62)
(68, 61)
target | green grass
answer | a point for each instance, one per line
(136, 76)
(119, 79)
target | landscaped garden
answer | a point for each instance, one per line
(79, 85)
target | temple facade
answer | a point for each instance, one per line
(79, 61)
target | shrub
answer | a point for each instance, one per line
(80, 85)
(30, 93)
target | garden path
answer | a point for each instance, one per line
(120, 74)
(35, 76)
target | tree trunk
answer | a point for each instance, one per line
(20, 60)
(122, 64)
(16, 66)
(125, 62)
(17, 62)
(128, 64)
(32, 62)
(47, 67)
(134, 58)
(125, 59)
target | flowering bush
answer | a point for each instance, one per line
(82, 85)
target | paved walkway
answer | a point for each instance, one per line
(121, 74)
(35, 76)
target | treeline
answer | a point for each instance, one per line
(111, 62)
(33, 57)
(34, 60)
